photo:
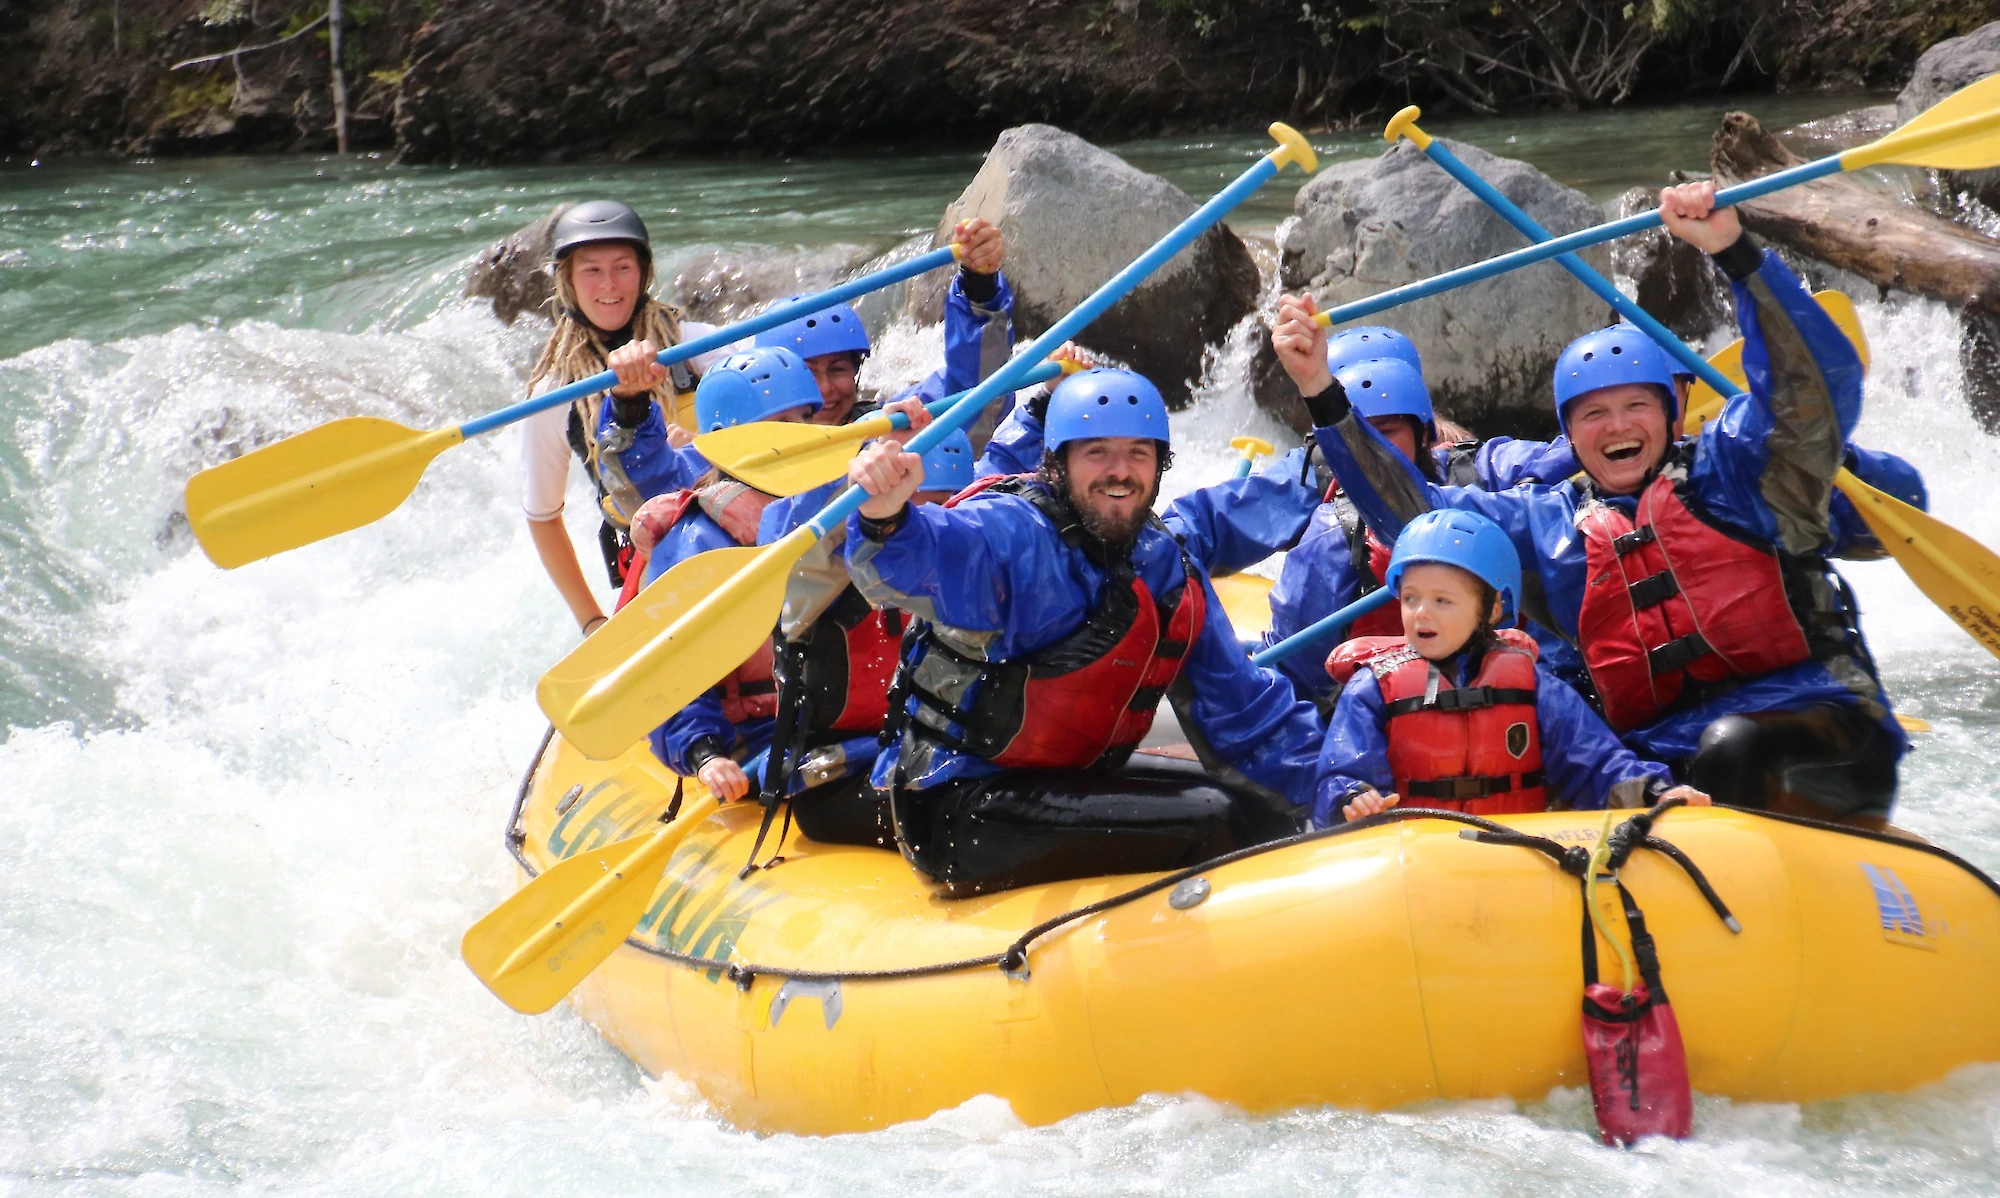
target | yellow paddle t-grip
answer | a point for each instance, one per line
(1404, 124)
(1292, 147)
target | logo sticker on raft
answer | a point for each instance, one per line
(1902, 922)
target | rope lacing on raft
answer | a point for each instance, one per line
(1629, 836)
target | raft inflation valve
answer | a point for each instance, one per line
(1191, 893)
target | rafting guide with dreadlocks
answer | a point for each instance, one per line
(605, 318)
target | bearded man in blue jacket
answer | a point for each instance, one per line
(1691, 574)
(1054, 612)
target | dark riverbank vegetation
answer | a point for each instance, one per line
(499, 80)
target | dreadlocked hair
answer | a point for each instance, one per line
(577, 348)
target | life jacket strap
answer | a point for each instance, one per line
(1678, 654)
(1463, 788)
(1651, 592)
(1463, 698)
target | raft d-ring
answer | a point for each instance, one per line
(1191, 893)
(828, 994)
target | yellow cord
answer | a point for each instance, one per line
(1599, 857)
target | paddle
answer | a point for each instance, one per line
(1955, 572)
(682, 633)
(1378, 597)
(352, 472)
(534, 948)
(782, 458)
(1959, 132)
(1251, 448)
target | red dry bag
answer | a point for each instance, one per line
(1638, 1067)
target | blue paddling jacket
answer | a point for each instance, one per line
(995, 577)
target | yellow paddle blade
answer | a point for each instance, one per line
(307, 488)
(1956, 572)
(783, 458)
(691, 626)
(534, 948)
(1912, 723)
(1247, 599)
(1958, 133)
(1703, 402)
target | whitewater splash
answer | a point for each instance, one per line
(253, 811)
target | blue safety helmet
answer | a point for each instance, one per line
(753, 385)
(1467, 540)
(1104, 403)
(948, 465)
(1367, 342)
(1388, 387)
(832, 330)
(1608, 357)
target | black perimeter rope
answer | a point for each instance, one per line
(1014, 958)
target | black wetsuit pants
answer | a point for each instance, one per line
(1830, 754)
(845, 811)
(1024, 827)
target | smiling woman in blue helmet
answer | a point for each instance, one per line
(605, 317)
(1054, 613)
(1691, 574)
(1453, 711)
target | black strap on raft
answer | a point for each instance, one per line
(1633, 834)
(787, 751)
(1645, 953)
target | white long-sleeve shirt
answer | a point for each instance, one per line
(545, 451)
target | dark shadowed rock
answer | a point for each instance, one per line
(1673, 280)
(514, 273)
(1489, 348)
(1075, 215)
(1942, 70)
(721, 285)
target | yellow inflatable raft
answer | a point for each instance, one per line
(1369, 967)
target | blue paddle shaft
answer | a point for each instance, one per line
(1585, 274)
(770, 318)
(1008, 377)
(1556, 247)
(938, 407)
(1346, 615)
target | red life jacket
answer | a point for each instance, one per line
(749, 691)
(1370, 558)
(850, 660)
(1477, 748)
(1085, 701)
(1675, 608)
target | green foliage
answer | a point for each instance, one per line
(224, 12)
(200, 94)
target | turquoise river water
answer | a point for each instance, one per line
(249, 814)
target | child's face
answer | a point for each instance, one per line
(1440, 609)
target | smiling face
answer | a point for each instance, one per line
(1113, 482)
(837, 376)
(1441, 608)
(1620, 435)
(607, 279)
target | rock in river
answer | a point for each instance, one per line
(1074, 215)
(1489, 348)
(1943, 69)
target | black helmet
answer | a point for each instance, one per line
(599, 220)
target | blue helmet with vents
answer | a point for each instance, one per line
(754, 385)
(1464, 539)
(1105, 403)
(831, 330)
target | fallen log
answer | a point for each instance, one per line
(1848, 224)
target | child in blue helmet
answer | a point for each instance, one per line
(1454, 713)
(978, 332)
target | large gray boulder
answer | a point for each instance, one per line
(514, 272)
(1489, 348)
(1942, 70)
(1075, 215)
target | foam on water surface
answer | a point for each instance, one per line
(250, 813)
